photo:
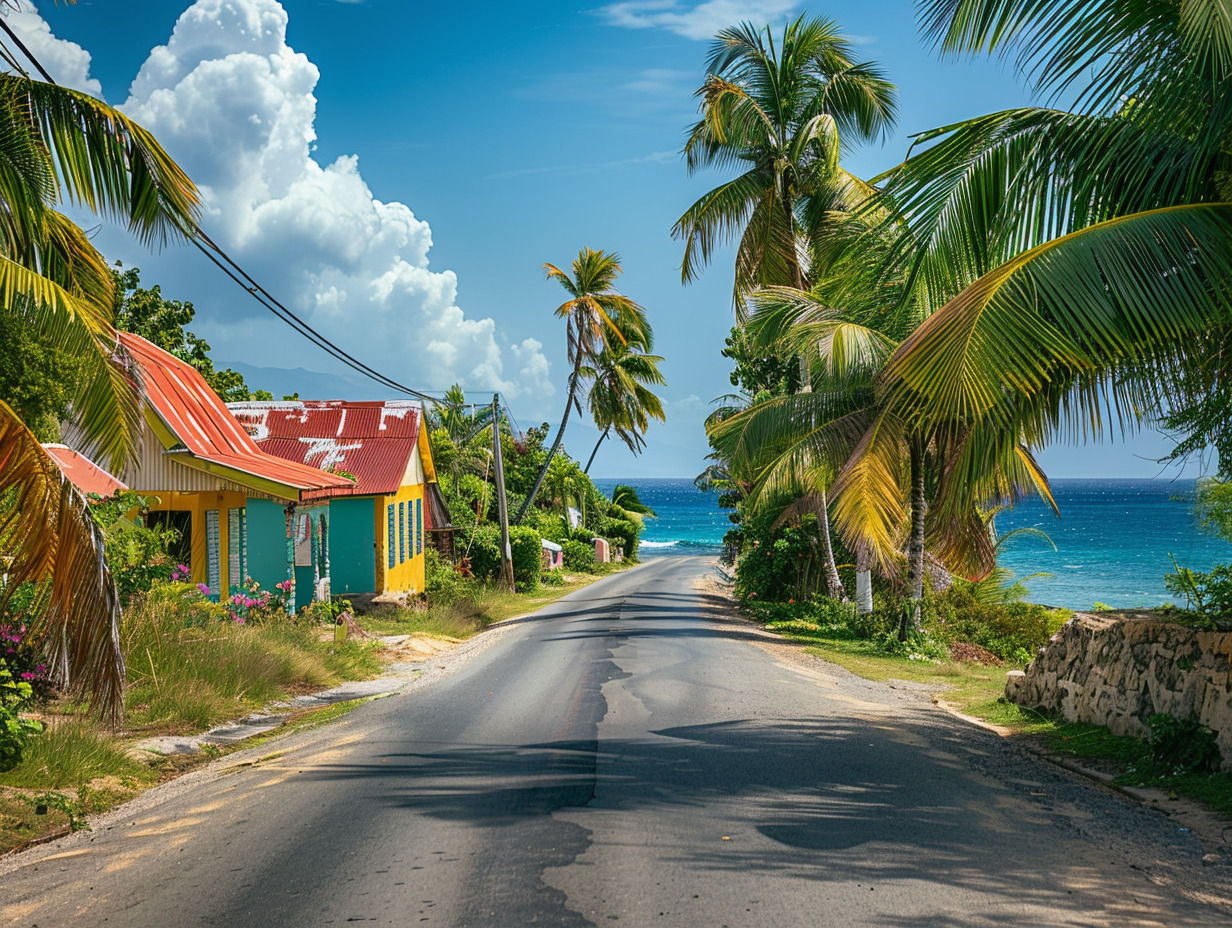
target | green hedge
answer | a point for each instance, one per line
(526, 546)
(579, 555)
(621, 532)
(524, 543)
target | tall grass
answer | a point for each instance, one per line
(70, 753)
(186, 677)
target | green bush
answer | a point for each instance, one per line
(552, 527)
(138, 555)
(1183, 745)
(526, 546)
(15, 731)
(621, 532)
(1012, 631)
(579, 556)
(1209, 595)
(485, 553)
(553, 577)
(443, 584)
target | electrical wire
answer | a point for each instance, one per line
(208, 247)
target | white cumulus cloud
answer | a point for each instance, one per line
(694, 20)
(67, 62)
(234, 104)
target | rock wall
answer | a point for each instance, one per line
(1118, 670)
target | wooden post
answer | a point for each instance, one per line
(502, 507)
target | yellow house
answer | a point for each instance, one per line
(240, 512)
(378, 528)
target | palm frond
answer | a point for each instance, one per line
(1035, 346)
(48, 533)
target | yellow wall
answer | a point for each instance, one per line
(407, 574)
(198, 504)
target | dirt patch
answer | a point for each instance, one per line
(417, 648)
(964, 651)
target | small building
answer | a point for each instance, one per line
(553, 555)
(239, 511)
(381, 523)
(83, 473)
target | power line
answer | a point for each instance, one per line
(232, 269)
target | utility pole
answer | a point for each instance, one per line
(502, 507)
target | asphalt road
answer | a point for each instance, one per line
(623, 759)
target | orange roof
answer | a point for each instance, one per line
(84, 474)
(199, 420)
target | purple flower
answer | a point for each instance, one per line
(205, 590)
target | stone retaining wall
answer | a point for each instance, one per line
(1118, 670)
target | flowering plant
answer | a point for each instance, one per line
(251, 603)
(22, 661)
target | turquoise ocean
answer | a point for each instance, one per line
(1113, 538)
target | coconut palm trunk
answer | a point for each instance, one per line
(864, 584)
(915, 546)
(591, 459)
(560, 436)
(834, 583)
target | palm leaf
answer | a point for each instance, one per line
(1037, 344)
(108, 163)
(49, 535)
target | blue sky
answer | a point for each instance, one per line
(399, 171)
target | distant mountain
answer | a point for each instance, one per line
(310, 385)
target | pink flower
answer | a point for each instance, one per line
(205, 590)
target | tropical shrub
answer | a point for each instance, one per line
(621, 532)
(1208, 595)
(26, 663)
(777, 564)
(526, 546)
(579, 556)
(1183, 745)
(1012, 631)
(485, 553)
(137, 554)
(15, 731)
(443, 584)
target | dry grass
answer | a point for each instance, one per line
(183, 677)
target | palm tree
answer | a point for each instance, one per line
(882, 468)
(1081, 257)
(59, 146)
(620, 398)
(625, 498)
(595, 315)
(783, 113)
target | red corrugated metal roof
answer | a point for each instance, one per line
(200, 420)
(84, 474)
(372, 440)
